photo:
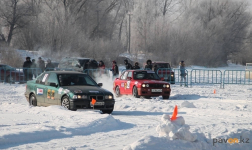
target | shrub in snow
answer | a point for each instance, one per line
(176, 129)
(187, 105)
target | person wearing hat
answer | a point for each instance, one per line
(115, 70)
(182, 73)
(49, 65)
(148, 65)
(136, 66)
(26, 69)
(41, 65)
(127, 64)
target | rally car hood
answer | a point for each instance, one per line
(151, 81)
(94, 90)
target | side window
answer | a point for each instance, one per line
(52, 78)
(124, 76)
(42, 78)
(89, 81)
(130, 74)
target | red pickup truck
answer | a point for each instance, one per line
(164, 70)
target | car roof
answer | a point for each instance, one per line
(65, 72)
(160, 62)
(79, 57)
(149, 71)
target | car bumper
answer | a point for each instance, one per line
(148, 92)
(85, 104)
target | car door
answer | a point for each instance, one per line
(39, 89)
(52, 96)
(129, 83)
(123, 82)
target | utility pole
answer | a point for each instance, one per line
(129, 31)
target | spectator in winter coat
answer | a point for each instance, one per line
(127, 64)
(136, 66)
(41, 65)
(34, 68)
(148, 65)
(101, 67)
(26, 69)
(182, 73)
(115, 70)
(49, 65)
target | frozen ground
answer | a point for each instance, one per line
(134, 124)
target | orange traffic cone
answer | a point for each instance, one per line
(214, 91)
(175, 112)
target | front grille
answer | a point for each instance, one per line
(96, 97)
(156, 85)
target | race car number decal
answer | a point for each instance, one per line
(128, 84)
(50, 94)
(122, 84)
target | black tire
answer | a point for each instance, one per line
(147, 97)
(32, 100)
(107, 111)
(166, 97)
(117, 91)
(135, 92)
(65, 102)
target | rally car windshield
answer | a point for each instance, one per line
(76, 80)
(146, 75)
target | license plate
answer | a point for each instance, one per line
(156, 90)
(97, 103)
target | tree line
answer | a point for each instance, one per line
(200, 32)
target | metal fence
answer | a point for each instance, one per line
(173, 76)
(237, 77)
(205, 76)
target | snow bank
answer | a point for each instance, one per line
(187, 105)
(53, 132)
(176, 129)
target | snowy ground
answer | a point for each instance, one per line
(133, 124)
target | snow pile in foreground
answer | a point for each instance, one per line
(172, 135)
(187, 105)
(176, 135)
(176, 129)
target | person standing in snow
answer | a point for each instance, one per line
(182, 73)
(136, 66)
(148, 65)
(127, 64)
(101, 67)
(49, 65)
(34, 68)
(41, 65)
(26, 69)
(115, 70)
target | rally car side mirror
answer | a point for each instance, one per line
(100, 84)
(162, 78)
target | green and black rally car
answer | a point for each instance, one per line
(73, 90)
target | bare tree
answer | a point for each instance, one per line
(13, 14)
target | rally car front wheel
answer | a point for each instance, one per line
(66, 103)
(135, 92)
(33, 100)
(117, 91)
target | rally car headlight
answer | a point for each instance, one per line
(172, 75)
(109, 97)
(166, 85)
(147, 85)
(143, 85)
(80, 97)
